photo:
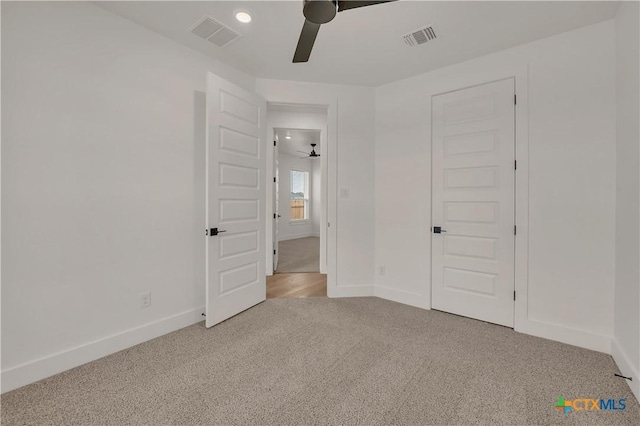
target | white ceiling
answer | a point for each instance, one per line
(364, 46)
(300, 141)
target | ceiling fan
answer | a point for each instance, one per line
(313, 151)
(318, 12)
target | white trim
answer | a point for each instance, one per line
(521, 260)
(41, 368)
(623, 360)
(521, 75)
(351, 291)
(324, 195)
(295, 222)
(570, 336)
(401, 296)
(296, 236)
(328, 184)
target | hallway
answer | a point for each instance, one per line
(299, 255)
(288, 286)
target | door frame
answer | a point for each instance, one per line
(323, 196)
(329, 182)
(520, 74)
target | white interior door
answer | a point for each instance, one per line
(473, 202)
(235, 249)
(276, 205)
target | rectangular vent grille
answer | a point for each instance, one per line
(213, 31)
(420, 36)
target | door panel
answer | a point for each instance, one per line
(235, 200)
(473, 202)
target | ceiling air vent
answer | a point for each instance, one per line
(420, 36)
(213, 31)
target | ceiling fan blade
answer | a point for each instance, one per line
(305, 42)
(349, 4)
(302, 152)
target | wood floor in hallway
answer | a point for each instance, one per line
(287, 286)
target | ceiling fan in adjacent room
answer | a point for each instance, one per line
(318, 12)
(311, 154)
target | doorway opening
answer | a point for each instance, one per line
(298, 202)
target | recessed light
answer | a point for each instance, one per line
(243, 17)
(288, 137)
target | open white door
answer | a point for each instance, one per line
(473, 202)
(235, 266)
(276, 203)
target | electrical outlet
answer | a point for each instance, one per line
(382, 270)
(145, 300)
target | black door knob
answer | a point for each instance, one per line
(215, 231)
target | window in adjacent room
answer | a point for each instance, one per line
(299, 195)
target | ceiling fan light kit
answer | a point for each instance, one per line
(318, 12)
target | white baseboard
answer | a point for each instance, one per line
(581, 338)
(571, 336)
(351, 291)
(296, 236)
(623, 360)
(401, 296)
(32, 371)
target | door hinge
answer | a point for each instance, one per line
(515, 101)
(515, 164)
(274, 215)
(514, 295)
(274, 180)
(274, 252)
(274, 143)
(328, 224)
(515, 230)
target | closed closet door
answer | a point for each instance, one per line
(473, 137)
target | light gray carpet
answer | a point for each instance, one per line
(299, 255)
(330, 361)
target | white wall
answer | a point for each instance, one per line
(626, 345)
(102, 185)
(355, 172)
(571, 104)
(286, 229)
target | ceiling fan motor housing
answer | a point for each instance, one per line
(320, 11)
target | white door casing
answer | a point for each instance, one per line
(276, 202)
(235, 191)
(473, 201)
